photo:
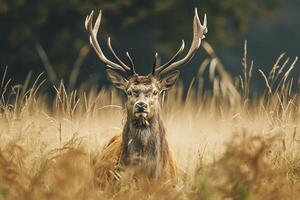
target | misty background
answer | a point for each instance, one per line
(49, 36)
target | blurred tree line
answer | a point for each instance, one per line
(51, 33)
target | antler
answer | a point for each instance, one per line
(199, 34)
(94, 42)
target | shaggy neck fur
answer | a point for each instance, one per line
(144, 144)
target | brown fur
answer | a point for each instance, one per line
(110, 156)
(142, 146)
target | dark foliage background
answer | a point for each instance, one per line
(49, 36)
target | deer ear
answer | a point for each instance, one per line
(169, 80)
(118, 80)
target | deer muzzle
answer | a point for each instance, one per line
(141, 109)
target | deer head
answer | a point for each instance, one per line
(143, 91)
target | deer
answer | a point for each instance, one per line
(143, 140)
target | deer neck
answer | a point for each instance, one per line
(143, 140)
(144, 131)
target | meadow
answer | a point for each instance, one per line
(229, 142)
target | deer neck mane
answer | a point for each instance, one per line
(144, 144)
(145, 139)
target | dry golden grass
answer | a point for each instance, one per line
(227, 145)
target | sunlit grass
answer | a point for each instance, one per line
(226, 143)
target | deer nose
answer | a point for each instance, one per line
(141, 106)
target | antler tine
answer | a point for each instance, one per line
(94, 42)
(157, 71)
(115, 55)
(199, 32)
(155, 63)
(132, 67)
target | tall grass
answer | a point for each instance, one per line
(228, 142)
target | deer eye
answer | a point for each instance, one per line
(129, 93)
(135, 93)
(155, 92)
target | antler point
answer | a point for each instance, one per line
(196, 12)
(205, 20)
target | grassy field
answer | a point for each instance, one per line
(228, 143)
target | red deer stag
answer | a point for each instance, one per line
(143, 141)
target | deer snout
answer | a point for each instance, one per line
(141, 106)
